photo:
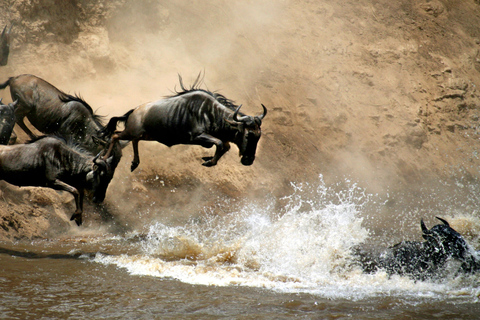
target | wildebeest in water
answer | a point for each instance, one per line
(51, 163)
(7, 121)
(192, 116)
(52, 111)
(422, 260)
(5, 45)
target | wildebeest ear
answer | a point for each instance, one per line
(99, 141)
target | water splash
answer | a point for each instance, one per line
(304, 247)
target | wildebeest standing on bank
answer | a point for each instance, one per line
(5, 45)
(52, 111)
(192, 116)
(425, 259)
(49, 162)
(7, 121)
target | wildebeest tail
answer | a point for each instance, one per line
(112, 124)
(6, 83)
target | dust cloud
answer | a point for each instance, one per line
(382, 94)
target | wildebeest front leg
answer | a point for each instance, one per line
(136, 157)
(222, 147)
(77, 215)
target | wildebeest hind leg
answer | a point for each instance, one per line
(22, 125)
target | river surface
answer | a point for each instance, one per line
(255, 262)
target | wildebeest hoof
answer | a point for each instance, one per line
(208, 163)
(78, 218)
(134, 166)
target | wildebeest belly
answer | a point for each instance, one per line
(20, 165)
(24, 178)
(169, 126)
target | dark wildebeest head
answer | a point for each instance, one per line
(100, 176)
(7, 121)
(443, 242)
(5, 45)
(248, 134)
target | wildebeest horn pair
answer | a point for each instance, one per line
(13, 103)
(425, 229)
(245, 118)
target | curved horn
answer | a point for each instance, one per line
(264, 113)
(424, 228)
(96, 157)
(444, 221)
(101, 164)
(4, 29)
(235, 116)
(1, 100)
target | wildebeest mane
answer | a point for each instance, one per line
(196, 86)
(43, 137)
(72, 145)
(65, 97)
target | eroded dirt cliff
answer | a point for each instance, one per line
(382, 92)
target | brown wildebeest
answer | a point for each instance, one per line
(192, 116)
(51, 163)
(5, 45)
(52, 111)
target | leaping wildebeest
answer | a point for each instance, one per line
(5, 45)
(191, 116)
(52, 111)
(51, 163)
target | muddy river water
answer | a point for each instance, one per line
(252, 263)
